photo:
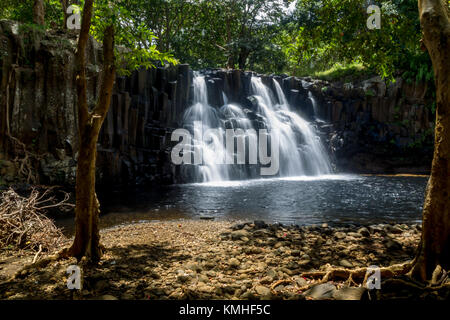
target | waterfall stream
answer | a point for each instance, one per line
(267, 118)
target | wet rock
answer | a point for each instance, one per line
(259, 224)
(276, 226)
(238, 226)
(321, 291)
(394, 229)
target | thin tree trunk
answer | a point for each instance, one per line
(434, 249)
(39, 12)
(87, 210)
(243, 55)
(64, 5)
(230, 60)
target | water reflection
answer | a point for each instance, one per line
(294, 200)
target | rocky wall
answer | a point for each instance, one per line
(369, 127)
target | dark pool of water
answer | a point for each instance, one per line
(335, 200)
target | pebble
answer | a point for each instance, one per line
(340, 235)
(210, 266)
(237, 235)
(264, 292)
(345, 263)
(364, 232)
(260, 224)
(234, 263)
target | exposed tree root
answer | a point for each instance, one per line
(280, 282)
(360, 273)
(390, 275)
(65, 253)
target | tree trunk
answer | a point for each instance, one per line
(230, 60)
(87, 210)
(87, 239)
(64, 5)
(243, 55)
(434, 249)
(39, 12)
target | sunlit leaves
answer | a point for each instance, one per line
(135, 42)
(340, 27)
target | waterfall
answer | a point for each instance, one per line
(300, 149)
(211, 148)
(307, 158)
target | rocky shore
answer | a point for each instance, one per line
(188, 259)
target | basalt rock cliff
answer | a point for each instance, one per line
(368, 127)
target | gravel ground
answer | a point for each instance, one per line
(193, 259)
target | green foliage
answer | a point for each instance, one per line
(326, 32)
(339, 71)
(217, 33)
(425, 139)
(18, 10)
(136, 43)
(432, 107)
(327, 39)
(22, 11)
(135, 47)
(370, 93)
(418, 69)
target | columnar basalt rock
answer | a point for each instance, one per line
(368, 126)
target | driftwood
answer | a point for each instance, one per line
(23, 224)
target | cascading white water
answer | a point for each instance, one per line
(296, 158)
(211, 148)
(301, 152)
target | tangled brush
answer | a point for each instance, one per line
(23, 224)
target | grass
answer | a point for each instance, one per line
(341, 72)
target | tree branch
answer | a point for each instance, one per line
(80, 59)
(109, 72)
